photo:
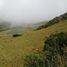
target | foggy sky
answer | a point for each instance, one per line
(29, 11)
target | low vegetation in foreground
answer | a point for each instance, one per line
(54, 53)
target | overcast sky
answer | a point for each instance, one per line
(28, 11)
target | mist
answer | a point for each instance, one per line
(31, 11)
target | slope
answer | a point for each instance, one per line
(13, 50)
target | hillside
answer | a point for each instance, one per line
(53, 21)
(13, 50)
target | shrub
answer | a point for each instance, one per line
(54, 53)
(34, 60)
(57, 45)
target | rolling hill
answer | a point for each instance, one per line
(13, 50)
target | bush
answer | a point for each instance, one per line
(54, 53)
(57, 45)
(34, 60)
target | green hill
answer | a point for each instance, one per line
(54, 21)
(13, 50)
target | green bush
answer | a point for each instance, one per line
(57, 45)
(54, 53)
(34, 60)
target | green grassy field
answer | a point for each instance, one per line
(13, 50)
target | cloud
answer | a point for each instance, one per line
(28, 11)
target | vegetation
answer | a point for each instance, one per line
(54, 54)
(56, 45)
(54, 21)
(34, 60)
(4, 26)
(13, 50)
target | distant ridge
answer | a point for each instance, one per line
(54, 21)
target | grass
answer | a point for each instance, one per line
(13, 50)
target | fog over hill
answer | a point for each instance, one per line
(31, 11)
